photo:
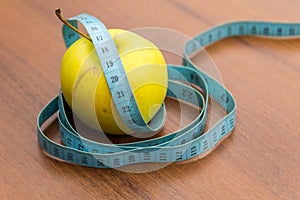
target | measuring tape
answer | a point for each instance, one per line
(180, 145)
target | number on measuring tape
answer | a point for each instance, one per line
(109, 63)
(174, 147)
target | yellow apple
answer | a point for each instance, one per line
(86, 91)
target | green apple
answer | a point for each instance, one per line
(85, 88)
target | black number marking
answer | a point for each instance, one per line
(99, 37)
(80, 147)
(147, 156)
(163, 156)
(193, 151)
(225, 98)
(109, 63)
(100, 163)
(94, 28)
(70, 35)
(254, 30)
(231, 121)
(178, 155)
(209, 37)
(95, 151)
(241, 29)
(188, 94)
(229, 30)
(131, 158)
(125, 109)
(83, 18)
(205, 144)
(279, 31)
(201, 41)
(45, 144)
(223, 130)
(131, 121)
(120, 94)
(84, 160)
(70, 156)
(266, 31)
(194, 78)
(69, 141)
(105, 50)
(114, 79)
(116, 161)
(219, 34)
(292, 31)
(55, 152)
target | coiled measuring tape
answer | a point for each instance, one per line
(181, 145)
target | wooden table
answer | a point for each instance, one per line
(259, 161)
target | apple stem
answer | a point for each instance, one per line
(60, 17)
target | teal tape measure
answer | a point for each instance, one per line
(184, 144)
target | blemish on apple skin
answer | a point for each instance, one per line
(104, 110)
(94, 69)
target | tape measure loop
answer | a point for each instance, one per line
(186, 143)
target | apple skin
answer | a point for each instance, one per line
(85, 89)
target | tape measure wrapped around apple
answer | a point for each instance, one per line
(85, 88)
(97, 97)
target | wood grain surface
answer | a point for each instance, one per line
(260, 160)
